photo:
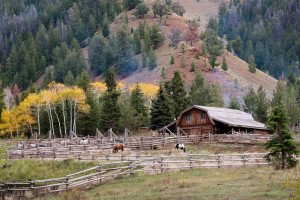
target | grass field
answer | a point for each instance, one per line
(38, 169)
(240, 183)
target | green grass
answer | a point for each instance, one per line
(38, 169)
(241, 183)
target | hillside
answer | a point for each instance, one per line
(236, 81)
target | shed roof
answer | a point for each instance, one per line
(231, 117)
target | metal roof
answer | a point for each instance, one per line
(231, 117)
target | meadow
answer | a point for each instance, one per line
(238, 183)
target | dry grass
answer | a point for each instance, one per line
(242, 183)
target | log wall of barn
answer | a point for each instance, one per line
(195, 125)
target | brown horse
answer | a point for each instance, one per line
(117, 147)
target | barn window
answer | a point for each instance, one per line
(203, 115)
(188, 118)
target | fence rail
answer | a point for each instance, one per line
(66, 147)
(127, 165)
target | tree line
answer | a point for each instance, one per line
(263, 32)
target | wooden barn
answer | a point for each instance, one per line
(197, 120)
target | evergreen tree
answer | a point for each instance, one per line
(152, 59)
(105, 29)
(161, 111)
(261, 106)
(130, 4)
(224, 64)
(47, 79)
(96, 53)
(192, 67)
(234, 103)
(216, 95)
(138, 44)
(141, 9)
(110, 111)
(197, 55)
(69, 79)
(182, 61)
(249, 100)
(163, 72)
(147, 41)
(144, 59)
(200, 93)
(141, 29)
(282, 146)
(278, 94)
(251, 65)
(172, 61)
(178, 94)
(291, 79)
(85, 81)
(137, 101)
(155, 36)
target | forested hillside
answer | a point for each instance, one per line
(267, 29)
(35, 34)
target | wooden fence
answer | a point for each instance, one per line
(126, 165)
(66, 147)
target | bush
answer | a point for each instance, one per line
(172, 60)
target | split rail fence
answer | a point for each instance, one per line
(113, 166)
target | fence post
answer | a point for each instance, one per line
(161, 164)
(141, 143)
(71, 136)
(67, 183)
(178, 135)
(244, 159)
(190, 159)
(219, 161)
(126, 137)
(110, 134)
(49, 135)
(132, 166)
(100, 170)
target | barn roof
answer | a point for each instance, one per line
(235, 118)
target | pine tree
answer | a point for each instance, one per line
(141, 9)
(147, 41)
(110, 111)
(172, 61)
(96, 53)
(251, 65)
(141, 29)
(182, 47)
(278, 94)
(182, 61)
(291, 79)
(200, 93)
(234, 103)
(137, 101)
(283, 146)
(178, 94)
(85, 81)
(155, 36)
(192, 67)
(216, 95)
(69, 79)
(152, 59)
(161, 111)
(47, 79)
(144, 59)
(224, 64)
(163, 72)
(197, 55)
(105, 28)
(138, 44)
(261, 106)
(249, 100)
